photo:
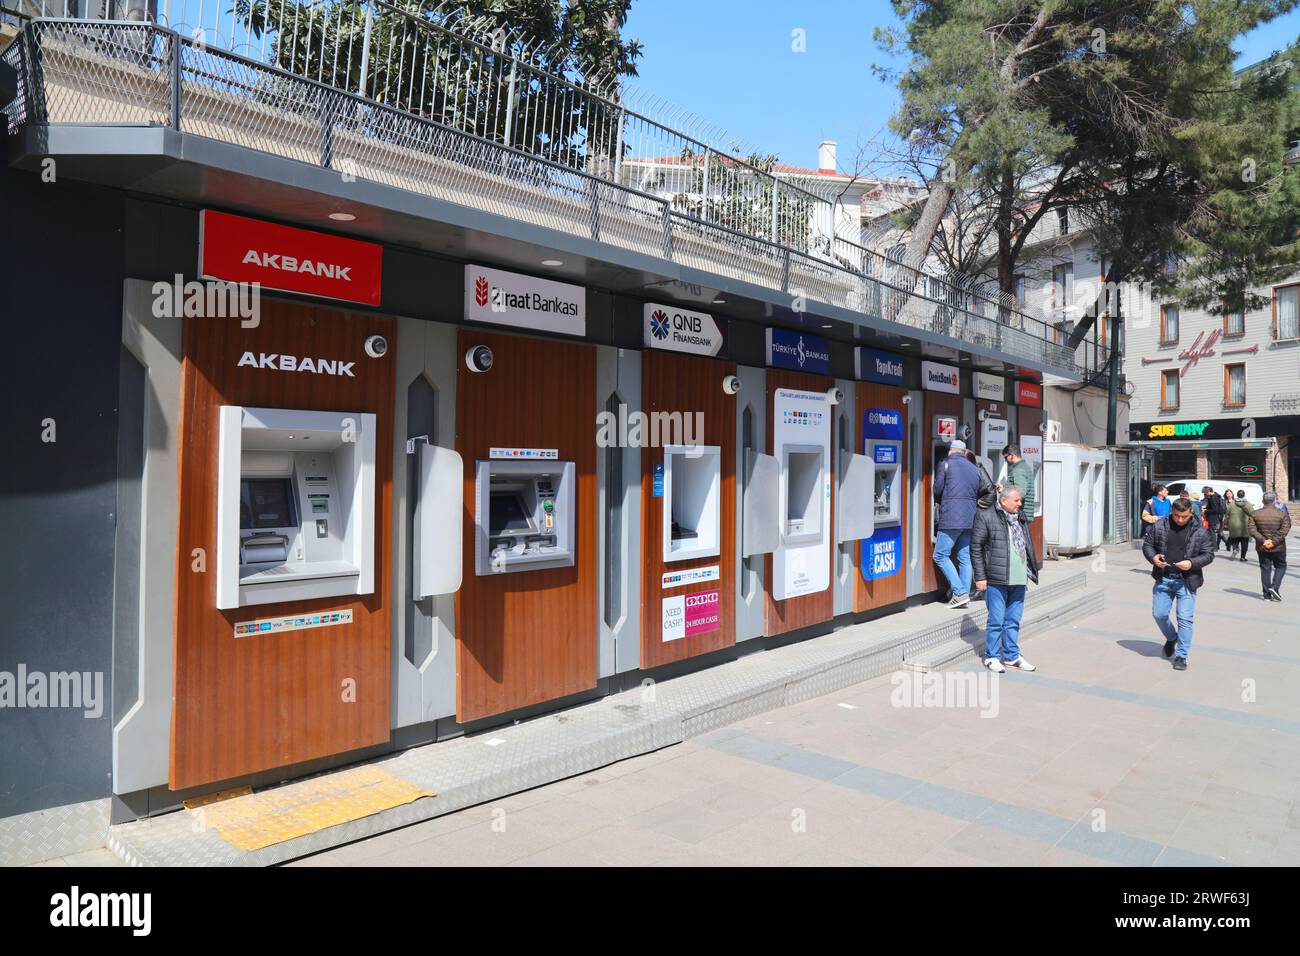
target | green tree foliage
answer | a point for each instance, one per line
(1126, 114)
(416, 67)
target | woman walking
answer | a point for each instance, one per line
(1237, 520)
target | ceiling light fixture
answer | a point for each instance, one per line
(552, 262)
(342, 216)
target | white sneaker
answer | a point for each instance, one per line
(1023, 664)
(995, 665)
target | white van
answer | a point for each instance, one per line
(1254, 493)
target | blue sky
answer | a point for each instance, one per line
(731, 62)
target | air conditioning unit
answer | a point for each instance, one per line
(1052, 431)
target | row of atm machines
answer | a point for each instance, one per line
(484, 525)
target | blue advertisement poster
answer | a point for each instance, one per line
(882, 553)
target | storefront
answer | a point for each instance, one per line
(1258, 451)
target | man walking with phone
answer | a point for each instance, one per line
(1178, 548)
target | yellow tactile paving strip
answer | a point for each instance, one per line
(250, 821)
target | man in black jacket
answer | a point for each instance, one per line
(1003, 562)
(1213, 508)
(1177, 548)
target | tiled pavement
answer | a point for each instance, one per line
(1104, 756)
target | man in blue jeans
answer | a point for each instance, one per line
(1177, 547)
(1005, 563)
(958, 486)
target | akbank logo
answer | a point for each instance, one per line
(659, 324)
(481, 291)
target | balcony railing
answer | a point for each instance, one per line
(125, 73)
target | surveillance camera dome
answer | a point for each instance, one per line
(376, 346)
(478, 358)
(731, 384)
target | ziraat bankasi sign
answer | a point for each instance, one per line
(523, 301)
(239, 249)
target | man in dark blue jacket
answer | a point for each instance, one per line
(958, 487)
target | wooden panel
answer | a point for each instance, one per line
(529, 636)
(687, 384)
(869, 595)
(936, 403)
(1029, 421)
(254, 703)
(794, 613)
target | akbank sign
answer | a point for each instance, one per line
(680, 330)
(799, 351)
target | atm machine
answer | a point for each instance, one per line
(523, 516)
(295, 505)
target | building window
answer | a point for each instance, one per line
(1019, 286)
(1286, 312)
(1063, 221)
(1063, 285)
(1234, 385)
(1168, 324)
(1174, 463)
(1169, 390)
(1234, 324)
(1238, 464)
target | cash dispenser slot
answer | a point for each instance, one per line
(692, 502)
(803, 484)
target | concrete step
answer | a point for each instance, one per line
(1039, 616)
(495, 764)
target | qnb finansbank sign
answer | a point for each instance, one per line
(525, 302)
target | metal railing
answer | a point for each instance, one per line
(136, 72)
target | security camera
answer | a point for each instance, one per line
(907, 399)
(731, 384)
(1042, 427)
(478, 358)
(966, 432)
(983, 415)
(376, 346)
(834, 395)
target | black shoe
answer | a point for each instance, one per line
(1273, 595)
(1180, 663)
(1169, 648)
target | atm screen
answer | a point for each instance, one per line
(508, 515)
(265, 503)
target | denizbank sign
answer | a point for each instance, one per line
(526, 302)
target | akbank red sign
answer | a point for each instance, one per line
(237, 249)
(1029, 393)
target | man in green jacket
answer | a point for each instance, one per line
(1021, 477)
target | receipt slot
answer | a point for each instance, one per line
(692, 502)
(295, 506)
(523, 516)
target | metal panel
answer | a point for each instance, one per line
(751, 434)
(761, 532)
(424, 642)
(844, 440)
(917, 445)
(618, 534)
(439, 510)
(140, 739)
(857, 518)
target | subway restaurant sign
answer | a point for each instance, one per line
(1178, 430)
